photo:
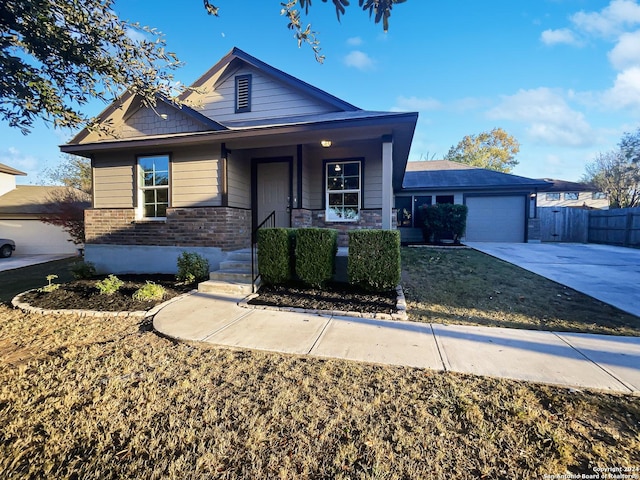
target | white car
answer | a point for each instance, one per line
(6, 247)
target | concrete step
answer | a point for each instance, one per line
(240, 255)
(215, 286)
(238, 276)
(238, 265)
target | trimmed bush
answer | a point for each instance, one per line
(83, 270)
(443, 219)
(316, 250)
(275, 254)
(192, 268)
(374, 259)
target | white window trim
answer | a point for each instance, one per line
(142, 188)
(327, 216)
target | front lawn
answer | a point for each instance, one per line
(107, 398)
(464, 286)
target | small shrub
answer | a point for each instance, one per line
(83, 270)
(316, 250)
(192, 268)
(109, 285)
(50, 287)
(275, 254)
(374, 259)
(150, 291)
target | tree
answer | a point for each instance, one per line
(494, 150)
(57, 55)
(617, 172)
(66, 205)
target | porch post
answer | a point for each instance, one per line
(387, 181)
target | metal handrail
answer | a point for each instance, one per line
(269, 222)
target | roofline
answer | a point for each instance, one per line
(474, 188)
(224, 135)
(10, 170)
(284, 77)
(191, 112)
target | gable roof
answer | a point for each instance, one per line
(34, 199)
(447, 175)
(236, 55)
(10, 170)
(565, 186)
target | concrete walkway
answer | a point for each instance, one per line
(601, 362)
(610, 274)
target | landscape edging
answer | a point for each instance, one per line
(401, 309)
(25, 307)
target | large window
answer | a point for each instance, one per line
(571, 195)
(343, 191)
(153, 174)
(552, 196)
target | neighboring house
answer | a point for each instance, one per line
(249, 141)
(21, 208)
(572, 194)
(500, 204)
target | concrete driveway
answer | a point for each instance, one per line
(19, 261)
(610, 274)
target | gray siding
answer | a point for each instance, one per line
(269, 99)
(239, 180)
(195, 177)
(113, 181)
(147, 122)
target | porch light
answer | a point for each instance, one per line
(325, 143)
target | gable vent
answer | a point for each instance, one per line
(243, 93)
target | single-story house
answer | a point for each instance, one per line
(248, 141)
(562, 193)
(501, 206)
(21, 209)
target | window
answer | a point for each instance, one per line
(153, 185)
(571, 195)
(243, 93)
(598, 196)
(343, 191)
(444, 199)
(552, 196)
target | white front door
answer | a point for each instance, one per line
(273, 192)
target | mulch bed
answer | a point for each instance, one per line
(336, 296)
(84, 295)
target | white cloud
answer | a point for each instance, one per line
(354, 41)
(560, 36)
(136, 35)
(625, 91)
(18, 160)
(359, 60)
(550, 119)
(404, 104)
(611, 20)
(626, 53)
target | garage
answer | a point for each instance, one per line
(33, 237)
(496, 218)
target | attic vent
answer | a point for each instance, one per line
(243, 93)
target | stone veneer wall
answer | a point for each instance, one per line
(370, 218)
(224, 227)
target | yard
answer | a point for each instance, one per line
(107, 398)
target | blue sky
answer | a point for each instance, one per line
(562, 76)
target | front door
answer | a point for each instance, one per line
(273, 192)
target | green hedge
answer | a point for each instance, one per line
(316, 250)
(441, 219)
(275, 254)
(374, 259)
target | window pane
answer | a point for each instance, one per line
(351, 169)
(150, 210)
(335, 199)
(351, 183)
(149, 196)
(162, 195)
(162, 210)
(404, 208)
(351, 199)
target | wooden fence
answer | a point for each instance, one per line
(612, 227)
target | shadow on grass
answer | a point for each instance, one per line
(19, 280)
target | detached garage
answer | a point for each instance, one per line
(498, 203)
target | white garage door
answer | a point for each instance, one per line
(33, 237)
(495, 219)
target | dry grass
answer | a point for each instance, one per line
(463, 286)
(107, 398)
